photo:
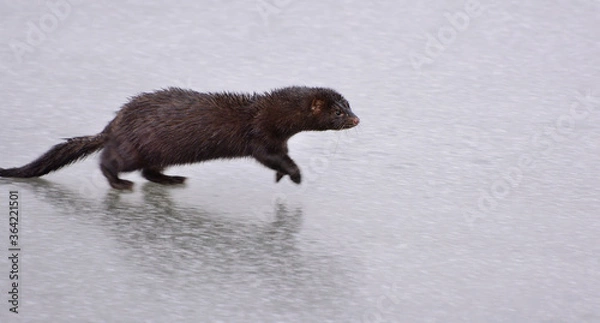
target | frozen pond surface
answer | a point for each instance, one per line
(469, 193)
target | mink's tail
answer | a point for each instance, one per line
(58, 156)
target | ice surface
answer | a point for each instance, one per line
(469, 193)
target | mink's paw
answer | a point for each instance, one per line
(296, 178)
(279, 176)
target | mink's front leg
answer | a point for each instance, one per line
(278, 176)
(283, 164)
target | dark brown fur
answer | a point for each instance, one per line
(174, 127)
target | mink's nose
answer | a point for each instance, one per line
(355, 121)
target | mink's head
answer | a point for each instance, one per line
(330, 111)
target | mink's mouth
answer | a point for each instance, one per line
(351, 123)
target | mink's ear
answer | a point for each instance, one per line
(317, 105)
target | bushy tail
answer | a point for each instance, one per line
(58, 156)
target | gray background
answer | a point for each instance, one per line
(469, 193)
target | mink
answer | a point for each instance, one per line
(176, 126)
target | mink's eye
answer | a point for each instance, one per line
(338, 112)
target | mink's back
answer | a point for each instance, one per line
(176, 126)
(175, 101)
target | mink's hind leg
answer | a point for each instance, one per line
(110, 164)
(156, 176)
(111, 174)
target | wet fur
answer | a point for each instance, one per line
(175, 127)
